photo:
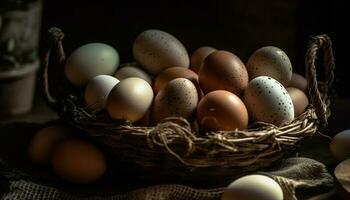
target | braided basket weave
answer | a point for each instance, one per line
(171, 148)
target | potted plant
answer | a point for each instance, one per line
(19, 38)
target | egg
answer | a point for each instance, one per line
(44, 141)
(172, 73)
(270, 61)
(300, 100)
(298, 81)
(130, 99)
(178, 98)
(268, 101)
(222, 70)
(97, 90)
(132, 71)
(222, 110)
(89, 61)
(78, 161)
(253, 187)
(157, 50)
(342, 180)
(198, 57)
(339, 145)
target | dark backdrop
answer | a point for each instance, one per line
(236, 25)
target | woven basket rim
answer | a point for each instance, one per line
(174, 144)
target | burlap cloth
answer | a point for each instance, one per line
(291, 174)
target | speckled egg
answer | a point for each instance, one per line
(268, 101)
(89, 61)
(157, 50)
(270, 61)
(129, 71)
(178, 98)
(222, 70)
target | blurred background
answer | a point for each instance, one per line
(236, 25)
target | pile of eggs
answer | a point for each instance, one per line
(213, 88)
(73, 159)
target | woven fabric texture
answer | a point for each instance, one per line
(291, 174)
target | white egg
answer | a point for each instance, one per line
(132, 71)
(253, 187)
(130, 99)
(89, 61)
(97, 91)
(270, 61)
(339, 145)
(268, 101)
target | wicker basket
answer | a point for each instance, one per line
(171, 148)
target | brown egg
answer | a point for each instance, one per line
(157, 50)
(175, 72)
(78, 161)
(178, 98)
(198, 57)
(222, 70)
(298, 81)
(299, 99)
(222, 110)
(43, 142)
(270, 61)
(339, 145)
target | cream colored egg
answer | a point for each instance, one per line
(178, 98)
(97, 91)
(130, 99)
(157, 50)
(89, 61)
(270, 61)
(78, 161)
(253, 187)
(268, 101)
(340, 144)
(132, 71)
(44, 141)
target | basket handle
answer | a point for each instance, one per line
(320, 101)
(54, 40)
